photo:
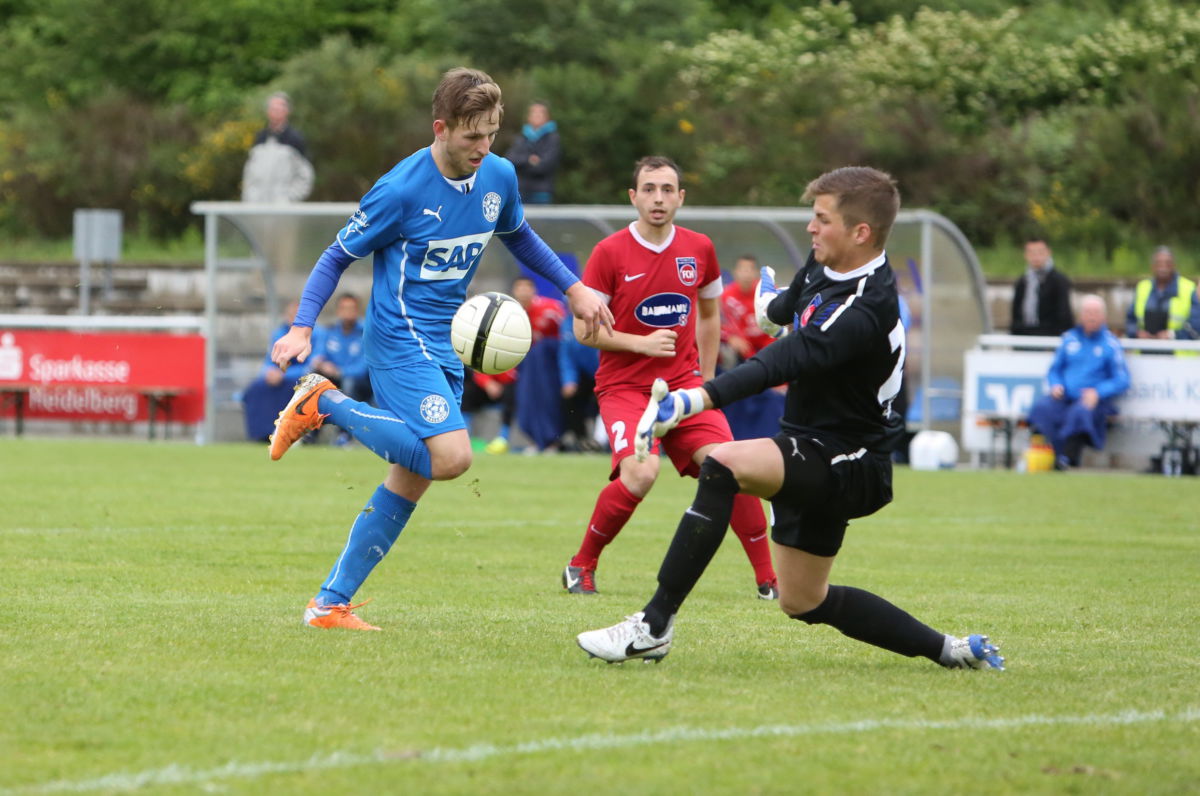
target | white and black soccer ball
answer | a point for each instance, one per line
(491, 333)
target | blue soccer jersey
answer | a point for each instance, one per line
(428, 234)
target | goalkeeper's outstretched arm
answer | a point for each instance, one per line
(665, 411)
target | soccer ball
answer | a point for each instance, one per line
(932, 450)
(491, 333)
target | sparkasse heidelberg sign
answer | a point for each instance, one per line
(101, 375)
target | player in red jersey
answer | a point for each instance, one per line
(545, 313)
(739, 329)
(663, 284)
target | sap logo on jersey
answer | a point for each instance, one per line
(453, 258)
(664, 310)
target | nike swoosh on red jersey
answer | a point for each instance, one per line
(629, 278)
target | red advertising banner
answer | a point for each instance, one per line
(102, 375)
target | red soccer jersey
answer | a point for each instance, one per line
(545, 315)
(737, 318)
(651, 287)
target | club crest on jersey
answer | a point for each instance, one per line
(434, 408)
(491, 206)
(810, 309)
(664, 310)
(687, 270)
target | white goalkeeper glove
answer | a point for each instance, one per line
(764, 292)
(664, 411)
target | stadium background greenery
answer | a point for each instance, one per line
(1074, 119)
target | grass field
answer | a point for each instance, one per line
(151, 637)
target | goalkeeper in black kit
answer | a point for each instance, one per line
(842, 358)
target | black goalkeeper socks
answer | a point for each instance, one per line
(868, 617)
(696, 541)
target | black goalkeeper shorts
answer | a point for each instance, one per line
(823, 489)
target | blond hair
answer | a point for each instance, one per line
(465, 95)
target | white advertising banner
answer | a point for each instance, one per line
(1005, 384)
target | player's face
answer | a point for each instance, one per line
(745, 272)
(524, 292)
(658, 196)
(833, 242)
(467, 144)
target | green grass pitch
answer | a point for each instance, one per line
(150, 637)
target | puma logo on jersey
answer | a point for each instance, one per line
(435, 213)
(796, 449)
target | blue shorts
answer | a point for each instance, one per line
(425, 395)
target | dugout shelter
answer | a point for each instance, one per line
(257, 257)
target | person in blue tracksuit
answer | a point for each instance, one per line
(1086, 377)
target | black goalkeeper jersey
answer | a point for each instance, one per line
(842, 360)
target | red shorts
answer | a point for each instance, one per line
(621, 412)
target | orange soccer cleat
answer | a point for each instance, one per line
(331, 616)
(300, 416)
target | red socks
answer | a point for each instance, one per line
(614, 507)
(750, 525)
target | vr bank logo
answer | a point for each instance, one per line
(1010, 396)
(453, 258)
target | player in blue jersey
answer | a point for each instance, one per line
(427, 222)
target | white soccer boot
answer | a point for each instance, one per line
(972, 652)
(627, 640)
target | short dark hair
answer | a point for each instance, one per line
(651, 162)
(864, 196)
(749, 257)
(351, 296)
(1037, 239)
(464, 95)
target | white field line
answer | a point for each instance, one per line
(234, 770)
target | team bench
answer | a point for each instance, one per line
(1005, 374)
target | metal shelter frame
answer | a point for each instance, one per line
(783, 226)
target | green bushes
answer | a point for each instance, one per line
(1073, 120)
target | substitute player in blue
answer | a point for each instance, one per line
(427, 222)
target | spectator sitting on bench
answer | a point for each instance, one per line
(269, 393)
(1087, 374)
(342, 359)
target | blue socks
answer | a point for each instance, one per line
(371, 536)
(386, 435)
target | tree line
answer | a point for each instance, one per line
(1073, 120)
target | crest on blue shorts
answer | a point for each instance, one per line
(434, 408)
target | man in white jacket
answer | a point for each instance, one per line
(277, 170)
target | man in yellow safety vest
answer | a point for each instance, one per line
(1165, 306)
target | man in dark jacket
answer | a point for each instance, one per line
(1042, 297)
(535, 153)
